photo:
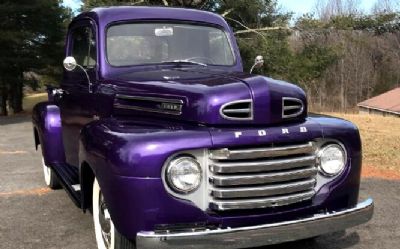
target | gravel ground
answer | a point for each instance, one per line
(33, 217)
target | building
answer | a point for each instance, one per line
(386, 104)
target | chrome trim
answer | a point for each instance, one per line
(288, 108)
(319, 154)
(144, 109)
(169, 179)
(262, 177)
(270, 190)
(156, 100)
(224, 154)
(261, 235)
(247, 110)
(266, 202)
(251, 179)
(262, 166)
(199, 196)
(222, 111)
(152, 99)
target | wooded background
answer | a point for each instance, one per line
(339, 54)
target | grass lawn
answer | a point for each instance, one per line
(380, 138)
(31, 100)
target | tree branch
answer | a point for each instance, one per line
(137, 2)
(260, 29)
(165, 2)
(244, 26)
(227, 12)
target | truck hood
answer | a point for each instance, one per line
(207, 97)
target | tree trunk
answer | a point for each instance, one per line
(16, 97)
(3, 102)
(342, 92)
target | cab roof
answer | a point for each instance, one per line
(105, 15)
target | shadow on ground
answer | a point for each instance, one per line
(15, 119)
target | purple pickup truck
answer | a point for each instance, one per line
(161, 135)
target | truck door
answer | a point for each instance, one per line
(78, 105)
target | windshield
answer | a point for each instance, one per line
(156, 43)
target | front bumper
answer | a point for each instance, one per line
(255, 236)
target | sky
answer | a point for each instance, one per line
(299, 7)
(73, 4)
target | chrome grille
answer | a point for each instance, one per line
(292, 107)
(261, 177)
(238, 110)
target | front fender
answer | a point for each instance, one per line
(127, 162)
(46, 121)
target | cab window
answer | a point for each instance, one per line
(84, 47)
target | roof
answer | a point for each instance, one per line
(106, 15)
(386, 102)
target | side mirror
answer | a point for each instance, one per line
(258, 63)
(70, 65)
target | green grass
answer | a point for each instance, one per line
(31, 100)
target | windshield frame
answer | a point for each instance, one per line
(171, 21)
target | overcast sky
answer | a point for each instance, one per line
(299, 7)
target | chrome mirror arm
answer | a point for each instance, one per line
(88, 78)
(252, 68)
(70, 65)
(258, 63)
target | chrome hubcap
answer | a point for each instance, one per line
(105, 221)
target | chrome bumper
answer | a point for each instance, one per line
(255, 236)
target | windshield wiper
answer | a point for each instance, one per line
(185, 62)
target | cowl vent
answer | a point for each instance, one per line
(292, 107)
(238, 110)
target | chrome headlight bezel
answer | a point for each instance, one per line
(173, 165)
(324, 149)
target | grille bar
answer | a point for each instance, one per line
(261, 202)
(262, 166)
(292, 107)
(240, 110)
(261, 177)
(228, 111)
(254, 153)
(270, 190)
(252, 179)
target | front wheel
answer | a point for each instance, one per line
(50, 177)
(107, 237)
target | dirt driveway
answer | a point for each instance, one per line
(32, 216)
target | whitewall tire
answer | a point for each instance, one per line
(50, 177)
(107, 237)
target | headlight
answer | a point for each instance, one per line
(332, 159)
(184, 175)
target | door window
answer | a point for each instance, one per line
(84, 47)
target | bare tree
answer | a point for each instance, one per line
(385, 6)
(326, 9)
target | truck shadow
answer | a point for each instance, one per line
(338, 240)
(15, 119)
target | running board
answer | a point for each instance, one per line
(69, 178)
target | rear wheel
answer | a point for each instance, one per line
(107, 237)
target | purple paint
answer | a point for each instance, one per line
(126, 148)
